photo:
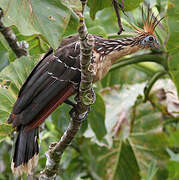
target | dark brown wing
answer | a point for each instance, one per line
(40, 63)
(44, 88)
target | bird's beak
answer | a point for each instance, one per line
(157, 45)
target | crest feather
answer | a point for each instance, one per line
(150, 22)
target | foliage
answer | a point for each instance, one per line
(124, 137)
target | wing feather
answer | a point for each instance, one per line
(54, 73)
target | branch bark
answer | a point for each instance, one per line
(19, 48)
(84, 99)
(116, 8)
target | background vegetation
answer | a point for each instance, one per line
(132, 131)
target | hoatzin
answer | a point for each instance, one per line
(57, 76)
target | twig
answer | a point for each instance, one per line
(84, 99)
(116, 7)
(83, 3)
(19, 48)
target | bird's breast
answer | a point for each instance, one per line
(100, 66)
(102, 63)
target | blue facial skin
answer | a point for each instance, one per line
(150, 41)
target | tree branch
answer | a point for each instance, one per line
(84, 99)
(19, 48)
(116, 8)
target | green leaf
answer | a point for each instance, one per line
(97, 30)
(4, 60)
(75, 5)
(5, 129)
(97, 5)
(96, 117)
(72, 26)
(6, 103)
(18, 71)
(173, 134)
(85, 161)
(47, 17)
(174, 68)
(148, 139)
(102, 19)
(152, 171)
(128, 117)
(125, 166)
(60, 118)
(130, 5)
(173, 42)
(173, 168)
(119, 100)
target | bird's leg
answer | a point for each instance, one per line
(74, 106)
(116, 4)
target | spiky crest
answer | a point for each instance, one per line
(150, 22)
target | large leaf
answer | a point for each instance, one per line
(4, 60)
(96, 118)
(102, 163)
(129, 117)
(15, 73)
(173, 42)
(97, 5)
(152, 171)
(60, 118)
(5, 129)
(173, 168)
(6, 102)
(173, 165)
(125, 166)
(47, 17)
(118, 101)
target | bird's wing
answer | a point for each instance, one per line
(48, 85)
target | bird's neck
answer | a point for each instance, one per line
(107, 51)
(114, 49)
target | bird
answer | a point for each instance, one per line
(57, 76)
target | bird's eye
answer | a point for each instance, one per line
(148, 40)
(151, 38)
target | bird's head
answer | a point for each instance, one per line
(146, 36)
(149, 41)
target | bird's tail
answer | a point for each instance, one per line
(26, 152)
